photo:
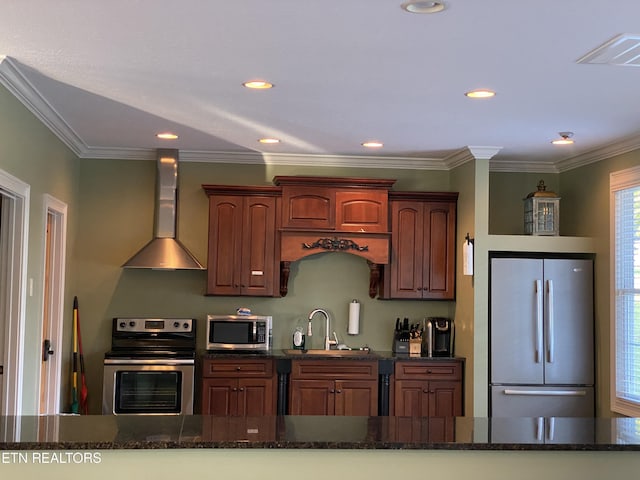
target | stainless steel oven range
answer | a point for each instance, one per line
(150, 368)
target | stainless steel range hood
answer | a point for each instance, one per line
(164, 251)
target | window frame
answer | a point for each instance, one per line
(618, 181)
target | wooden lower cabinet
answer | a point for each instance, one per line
(240, 387)
(428, 388)
(239, 429)
(333, 387)
(418, 429)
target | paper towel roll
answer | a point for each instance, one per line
(354, 318)
(467, 258)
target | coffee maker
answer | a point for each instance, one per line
(439, 340)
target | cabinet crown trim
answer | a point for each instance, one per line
(342, 182)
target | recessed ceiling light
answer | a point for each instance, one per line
(269, 140)
(167, 136)
(481, 93)
(419, 6)
(258, 84)
(565, 139)
(372, 144)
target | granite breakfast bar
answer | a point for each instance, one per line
(285, 447)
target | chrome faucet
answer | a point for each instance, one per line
(327, 340)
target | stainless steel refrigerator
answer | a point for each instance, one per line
(541, 334)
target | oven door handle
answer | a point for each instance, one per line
(149, 361)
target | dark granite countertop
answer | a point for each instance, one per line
(355, 355)
(74, 432)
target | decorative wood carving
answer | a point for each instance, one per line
(374, 278)
(336, 245)
(285, 269)
(299, 244)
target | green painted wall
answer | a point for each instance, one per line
(462, 181)
(587, 213)
(30, 152)
(116, 213)
(506, 194)
(111, 217)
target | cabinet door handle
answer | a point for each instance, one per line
(332, 391)
(234, 389)
(242, 389)
(238, 369)
(338, 391)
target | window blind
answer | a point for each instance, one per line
(625, 189)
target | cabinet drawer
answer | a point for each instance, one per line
(334, 369)
(237, 368)
(428, 370)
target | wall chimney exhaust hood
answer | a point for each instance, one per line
(164, 251)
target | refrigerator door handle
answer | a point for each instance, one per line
(550, 393)
(550, 332)
(539, 308)
(552, 429)
(539, 428)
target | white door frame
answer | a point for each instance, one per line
(13, 272)
(55, 310)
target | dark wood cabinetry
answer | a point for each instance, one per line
(238, 387)
(422, 263)
(408, 238)
(243, 248)
(239, 429)
(334, 204)
(333, 387)
(426, 388)
(418, 429)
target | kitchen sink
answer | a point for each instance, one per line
(327, 353)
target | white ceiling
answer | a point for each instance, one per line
(106, 76)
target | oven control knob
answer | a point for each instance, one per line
(123, 324)
(186, 325)
(132, 324)
(176, 324)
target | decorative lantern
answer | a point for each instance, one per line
(541, 212)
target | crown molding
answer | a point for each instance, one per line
(469, 153)
(509, 166)
(13, 79)
(621, 146)
(412, 163)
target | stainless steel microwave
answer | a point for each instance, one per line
(239, 332)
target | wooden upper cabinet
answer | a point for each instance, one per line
(362, 211)
(422, 263)
(439, 234)
(305, 207)
(334, 204)
(243, 251)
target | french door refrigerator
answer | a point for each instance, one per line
(541, 334)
